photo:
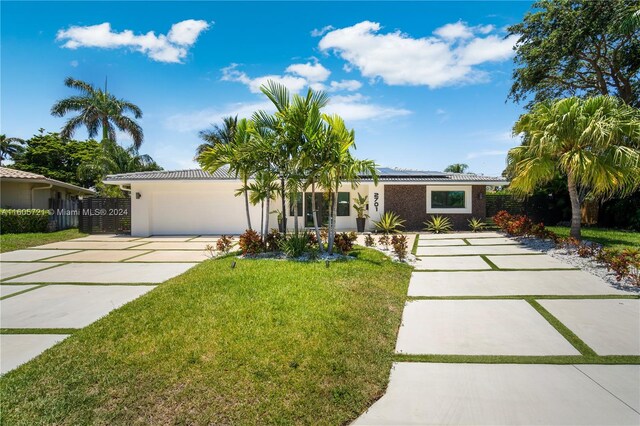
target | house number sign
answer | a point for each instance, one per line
(376, 196)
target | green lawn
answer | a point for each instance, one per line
(269, 342)
(10, 242)
(607, 237)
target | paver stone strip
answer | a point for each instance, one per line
(16, 349)
(65, 306)
(508, 283)
(497, 394)
(608, 326)
(478, 327)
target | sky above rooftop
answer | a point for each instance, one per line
(424, 84)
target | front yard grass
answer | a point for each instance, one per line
(613, 238)
(10, 242)
(266, 342)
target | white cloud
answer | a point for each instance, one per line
(293, 83)
(448, 58)
(488, 153)
(357, 108)
(186, 33)
(162, 48)
(312, 72)
(296, 78)
(348, 85)
(322, 31)
(454, 31)
(201, 119)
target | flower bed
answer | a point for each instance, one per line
(625, 264)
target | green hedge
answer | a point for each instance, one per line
(23, 220)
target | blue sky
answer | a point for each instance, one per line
(423, 84)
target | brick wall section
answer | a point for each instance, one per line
(410, 202)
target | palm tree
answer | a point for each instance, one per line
(341, 166)
(285, 130)
(457, 168)
(262, 190)
(594, 142)
(10, 147)
(97, 109)
(218, 134)
(114, 159)
(237, 155)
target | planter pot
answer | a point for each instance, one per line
(281, 227)
(360, 223)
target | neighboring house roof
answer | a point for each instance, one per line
(384, 173)
(13, 175)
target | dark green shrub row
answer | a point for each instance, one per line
(19, 221)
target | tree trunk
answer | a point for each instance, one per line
(576, 214)
(283, 195)
(295, 213)
(266, 220)
(314, 211)
(105, 129)
(246, 202)
(262, 220)
(333, 216)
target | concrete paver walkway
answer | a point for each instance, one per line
(506, 394)
(67, 285)
(457, 311)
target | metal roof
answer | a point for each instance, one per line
(384, 174)
(13, 175)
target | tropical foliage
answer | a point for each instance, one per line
(295, 149)
(360, 206)
(476, 224)
(595, 143)
(10, 147)
(98, 109)
(218, 134)
(457, 168)
(438, 225)
(389, 223)
(578, 48)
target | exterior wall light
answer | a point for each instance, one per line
(138, 195)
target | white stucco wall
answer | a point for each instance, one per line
(211, 208)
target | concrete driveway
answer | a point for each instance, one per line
(47, 292)
(480, 299)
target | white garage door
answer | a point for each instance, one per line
(189, 212)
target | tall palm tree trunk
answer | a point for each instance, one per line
(295, 213)
(266, 220)
(333, 216)
(105, 129)
(576, 214)
(262, 220)
(246, 201)
(314, 211)
(283, 195)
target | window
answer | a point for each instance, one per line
(291, 212)
(447, 199)
(343, 204)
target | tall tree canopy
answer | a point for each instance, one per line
(578, 48)
(97, 109)
(594, 142)
(10, 147)
(224, 134)
(457, 168)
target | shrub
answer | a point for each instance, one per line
(272, 240)
(476, 224)
(344, 241)
(522, 226)
(224, 244)
(625, 264)
(295, 245)
(23, 220)
(384, 241)
(389, 223)
(438, 224)
(400, 246)
(250, 242)
(369, 241)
